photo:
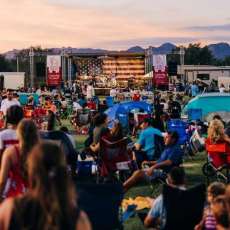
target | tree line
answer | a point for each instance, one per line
(194, 55)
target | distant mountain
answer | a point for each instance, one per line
(11, 54)
(220, 50)
(136, 49)
(166, 48)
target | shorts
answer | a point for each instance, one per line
(157, 174)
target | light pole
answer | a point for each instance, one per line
(63, 53)
(31, 54)
(70, 71)
(17, 63)
(182, 53)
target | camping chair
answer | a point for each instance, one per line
(101, 202)
(218, 162)
(65, 143)
(83, 117)
(184, 208)
(113, 157)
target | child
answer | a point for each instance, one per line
(219, 208)
(209, 221)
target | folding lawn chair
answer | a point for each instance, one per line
(184, 208)
(101, 202)
(113, 157)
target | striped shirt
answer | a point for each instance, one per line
(210, 221)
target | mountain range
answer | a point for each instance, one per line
(219, 50)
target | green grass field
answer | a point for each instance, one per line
(193, 172)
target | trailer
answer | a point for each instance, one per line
(12, 80)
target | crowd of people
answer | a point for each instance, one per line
(35, 178)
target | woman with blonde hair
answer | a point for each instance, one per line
(216, 132)
(13, 171)
(50, 203)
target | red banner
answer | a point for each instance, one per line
(53, 78)
(54, 75)
(161, 78)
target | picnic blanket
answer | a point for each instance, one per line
(139, 201)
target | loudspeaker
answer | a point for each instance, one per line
(40, 69)
(172, 68)
(1, 82)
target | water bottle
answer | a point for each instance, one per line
(94, 168)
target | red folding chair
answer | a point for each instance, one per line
(114, 157)
(218, 160)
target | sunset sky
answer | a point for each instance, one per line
(112, 24)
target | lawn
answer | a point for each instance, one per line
(194, 175)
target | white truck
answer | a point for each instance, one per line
(12, 80)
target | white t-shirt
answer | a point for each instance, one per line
(221, 89)
(90, 92)
(8, 137)
(76, 106)
(6, 104)
(113, 92)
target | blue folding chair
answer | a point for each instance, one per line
(109, 101)
(195, 114)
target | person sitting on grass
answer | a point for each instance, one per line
(209, 221)
(170, 157)
(145, 146)
(113, 135)
(101, 128)
(157, 214)
(221, 213)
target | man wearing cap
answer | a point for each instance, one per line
(145, 146)
(171, 157)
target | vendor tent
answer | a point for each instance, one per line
(210, 103)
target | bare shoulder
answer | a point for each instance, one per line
(6, 205)
(9, 151)
(83, 222)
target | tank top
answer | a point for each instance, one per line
(16, 184)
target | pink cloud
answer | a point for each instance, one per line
(32, 22)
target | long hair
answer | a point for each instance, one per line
(116, 131)
(51, 187)
(216, 131)
(28, 138)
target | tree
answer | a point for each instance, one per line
(206, 57)
(226, 61)
(4, 65)
(195, 55)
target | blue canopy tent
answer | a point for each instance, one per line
(121, 111)
(209, 103)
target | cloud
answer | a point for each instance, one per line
(54, 23)
(31, 22)
(210, 28)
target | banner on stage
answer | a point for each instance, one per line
(159, 62)
(161, 78)
(54, 75)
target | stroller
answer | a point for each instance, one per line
(218, 161)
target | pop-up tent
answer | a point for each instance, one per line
(210, 103)
(121, 111)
